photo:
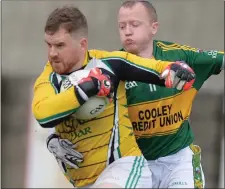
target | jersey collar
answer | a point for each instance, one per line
(87, 59)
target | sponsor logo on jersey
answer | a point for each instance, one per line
(161, 115)
(79, 133)
(213, 53)
(157, 118)
(130, 84)
(72, 127)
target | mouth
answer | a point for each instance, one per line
(129, 42)
(55, 61)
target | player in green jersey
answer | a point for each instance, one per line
(160, 116)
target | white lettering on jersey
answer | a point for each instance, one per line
(152, 87)
(130, 84)
(213, 53)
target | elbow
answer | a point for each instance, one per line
(38, 115)
(51, 124)
(36, 111)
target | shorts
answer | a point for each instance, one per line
(126, 172)
(180, 170)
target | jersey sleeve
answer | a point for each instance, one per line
(204, 64)
(130, 67)
(50, 107)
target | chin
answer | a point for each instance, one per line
(58, 70)
(132, 50)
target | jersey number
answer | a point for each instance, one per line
(152, 87)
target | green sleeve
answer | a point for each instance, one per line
(204, 64)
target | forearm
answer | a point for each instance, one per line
(54, 108)
(131, 67)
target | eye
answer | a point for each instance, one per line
(59, 45)
(49, 45)
(121, 26)
(135, 24)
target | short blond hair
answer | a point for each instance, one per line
(149, 7)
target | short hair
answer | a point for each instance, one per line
(68, 17)
(149, 7)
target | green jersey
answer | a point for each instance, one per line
(160, 115)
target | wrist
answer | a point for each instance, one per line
(81, 97)
(51, 137)
(85, 90)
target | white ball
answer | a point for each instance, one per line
(94, 106)
(91, 108)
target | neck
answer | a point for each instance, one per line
(80, 62)
(147, 52)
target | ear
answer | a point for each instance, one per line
(84, 44)
(155, 26)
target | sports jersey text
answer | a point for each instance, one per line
(130, 84)
(213, 53)
(162, 116)
(80, 133)
(70, 129)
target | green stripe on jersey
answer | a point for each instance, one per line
(57, 116)
(159, 146)
(51, 79)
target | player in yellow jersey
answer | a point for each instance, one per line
(160, 116)
(107, 153)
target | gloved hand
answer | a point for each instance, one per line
(178, 75)
(64, 151)
(96, 83)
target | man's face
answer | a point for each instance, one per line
(136, 28)
(64, 51)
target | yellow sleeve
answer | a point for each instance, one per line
(50, 107)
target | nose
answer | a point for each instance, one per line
(52, 52)
(128, 31)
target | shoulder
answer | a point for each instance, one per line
(46, 73)
(101, 54)
(173, 46)
(166, 45)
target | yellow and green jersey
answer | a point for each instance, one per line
(160, 115)
(110, 135)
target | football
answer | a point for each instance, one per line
(94, 106)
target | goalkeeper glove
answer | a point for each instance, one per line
(178, 75)
(96, 83)
(63, 150)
